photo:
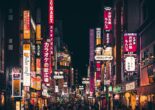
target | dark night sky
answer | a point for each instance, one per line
(78, 16)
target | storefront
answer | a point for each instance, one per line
(130, 95)
(146, 94)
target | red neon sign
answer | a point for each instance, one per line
(46, 62)
(130, 42)
(107, 18)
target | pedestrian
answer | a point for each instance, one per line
(37, 107)
(31, 106)
(44, 108)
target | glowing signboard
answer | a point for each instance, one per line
(46, 62)
(130, 63)
(26, 64)
(26, 20)
(107, 18)
(130, 42)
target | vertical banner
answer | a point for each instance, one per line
(91, 44)
(51, 30)
(51, 24)
(130, 42)
(26, 23)
(107, 18)
(46, 62)
(26, 64)
(16, 82)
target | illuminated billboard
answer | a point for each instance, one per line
(107, 55)
(36, 83)
(58, 75)
(130, 66)
(38, 32)
(26, 64)
(26, 20)
(98, 36)
(107, 18)
(46, 60)
(130, 63)
(98, 71)
(16, 82)
(130, 42)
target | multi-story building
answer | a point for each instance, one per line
(134, 17)
(2, 55)
(147, 52)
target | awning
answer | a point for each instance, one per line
(145, 90)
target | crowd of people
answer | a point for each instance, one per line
(67, 106)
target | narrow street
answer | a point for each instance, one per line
(77, 55)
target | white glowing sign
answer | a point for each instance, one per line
(130, 86)
(130, 63)
(98, 32)
(26, 65)
(106, 54)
